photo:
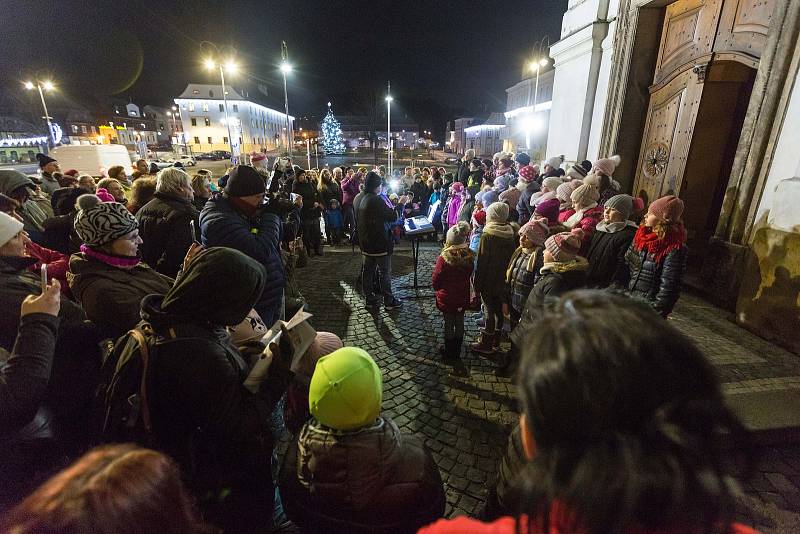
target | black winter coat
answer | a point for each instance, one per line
(203, 416)
(259, 237)
(606, 255)
(164, 226)
(462, 172)
(659, 283)
(370, 480)
(374, 218)
(310, 196)
(552, 283)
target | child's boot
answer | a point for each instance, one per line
(484, 346)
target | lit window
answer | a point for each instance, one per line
(195, 92)
(74, 128)
(205, 106)
(191, 106)
(208, 121)
(83, 128)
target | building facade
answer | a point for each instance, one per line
(253, 127)
(361, 131)
(459, 144)
(486, 138)
(528, 115)
(20, 140)
(701, 101)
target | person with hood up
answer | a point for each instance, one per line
(351, 469)
(203, 416)
(16, 185)
(624, 429)
(528, 187)
(107, 276)
(523, 268)
(496, 247)
(585, 213)
(451, 282)
(165, 223)
(602, 176)
(610, 242)
(47, 168)
(656, 260)
(238, 219)
(375, 218)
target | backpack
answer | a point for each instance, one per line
(122, 403)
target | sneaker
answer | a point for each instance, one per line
(393, 305)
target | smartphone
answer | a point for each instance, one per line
(44, 278)
(194, 231)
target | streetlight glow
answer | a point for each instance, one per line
(29, 85)
(231, 66)
(543, 62)
(48, 85)
(286, 67)
(209, 63)
(389, 98)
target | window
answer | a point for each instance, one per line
(224, 140)
(208, 121)
(191, 106)
(74, 128)
(83, 128)
(195, 92)
(94, 130)
(209, 141)
(194, 121)
(221, 107)
(205, 106)
(196, 140)
(240, 141)
(236, 108)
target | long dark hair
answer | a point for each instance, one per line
(114, 489)
(628, 420)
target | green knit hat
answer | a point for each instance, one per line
(346, 390)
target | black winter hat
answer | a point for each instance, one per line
(586, 164)
(372, 181)
(44, 159)
(523, 159)
(244, 181)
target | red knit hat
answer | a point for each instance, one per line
(548, 209)
(565, 245)
(257, 156)
(527, 174)
(480, 217)
(668, 208)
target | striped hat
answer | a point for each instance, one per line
(565, 245)
(99, 223)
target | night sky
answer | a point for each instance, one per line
(442, 57)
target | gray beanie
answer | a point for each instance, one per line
(100, 223)
(621, 203)
(458, 234)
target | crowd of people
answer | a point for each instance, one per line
(135, 309)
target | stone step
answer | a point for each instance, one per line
(773, 416)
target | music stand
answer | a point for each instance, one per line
(417, 228)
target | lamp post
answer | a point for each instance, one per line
(231, 66)
(286, 68)
(389, 128)
(48, 86)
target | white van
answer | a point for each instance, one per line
(92, 159)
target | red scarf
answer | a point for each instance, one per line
(646, 238)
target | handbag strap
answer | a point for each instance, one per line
(144, 350)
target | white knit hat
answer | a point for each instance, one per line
(9, 227)
(497, 213)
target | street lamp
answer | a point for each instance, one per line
(286, 68)
(47, 86)
(389, 127)
(231, 67)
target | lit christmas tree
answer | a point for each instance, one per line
(332, 140)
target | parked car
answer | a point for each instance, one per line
(222, 154)
(209, 156)
(451, 161)
(187, 160)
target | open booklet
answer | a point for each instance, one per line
(299, 335)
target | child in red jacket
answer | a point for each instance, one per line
(451, 281)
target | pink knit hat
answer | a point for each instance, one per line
(564, 191)
(324, 343)
(457, 187)
(103, 194)
(536, 231)
(668, 208)
(565, 245)
(511, 196)
(607, 166)
(549, 210)
(257, 156)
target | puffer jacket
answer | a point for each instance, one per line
(524, 207)
(659, 283)
(112, 296)
(221, 225)
(519, 279)
(451, 279)
(606, 254)
(164, 226)
(370, 480)
(555, 279)
(494, 253)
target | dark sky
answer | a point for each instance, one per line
(458, 55)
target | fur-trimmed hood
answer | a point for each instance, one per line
(578, 264)
(458, 255)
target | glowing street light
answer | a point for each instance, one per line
(389, 127)
(231, 67)
(47, 86)
(286, 68)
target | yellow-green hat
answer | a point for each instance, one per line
(346, 390)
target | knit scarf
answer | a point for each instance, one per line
(614, 227)
(576, 217)
(503, 230)
(646, 238)
(122, 262)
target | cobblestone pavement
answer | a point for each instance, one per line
(464, 412)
